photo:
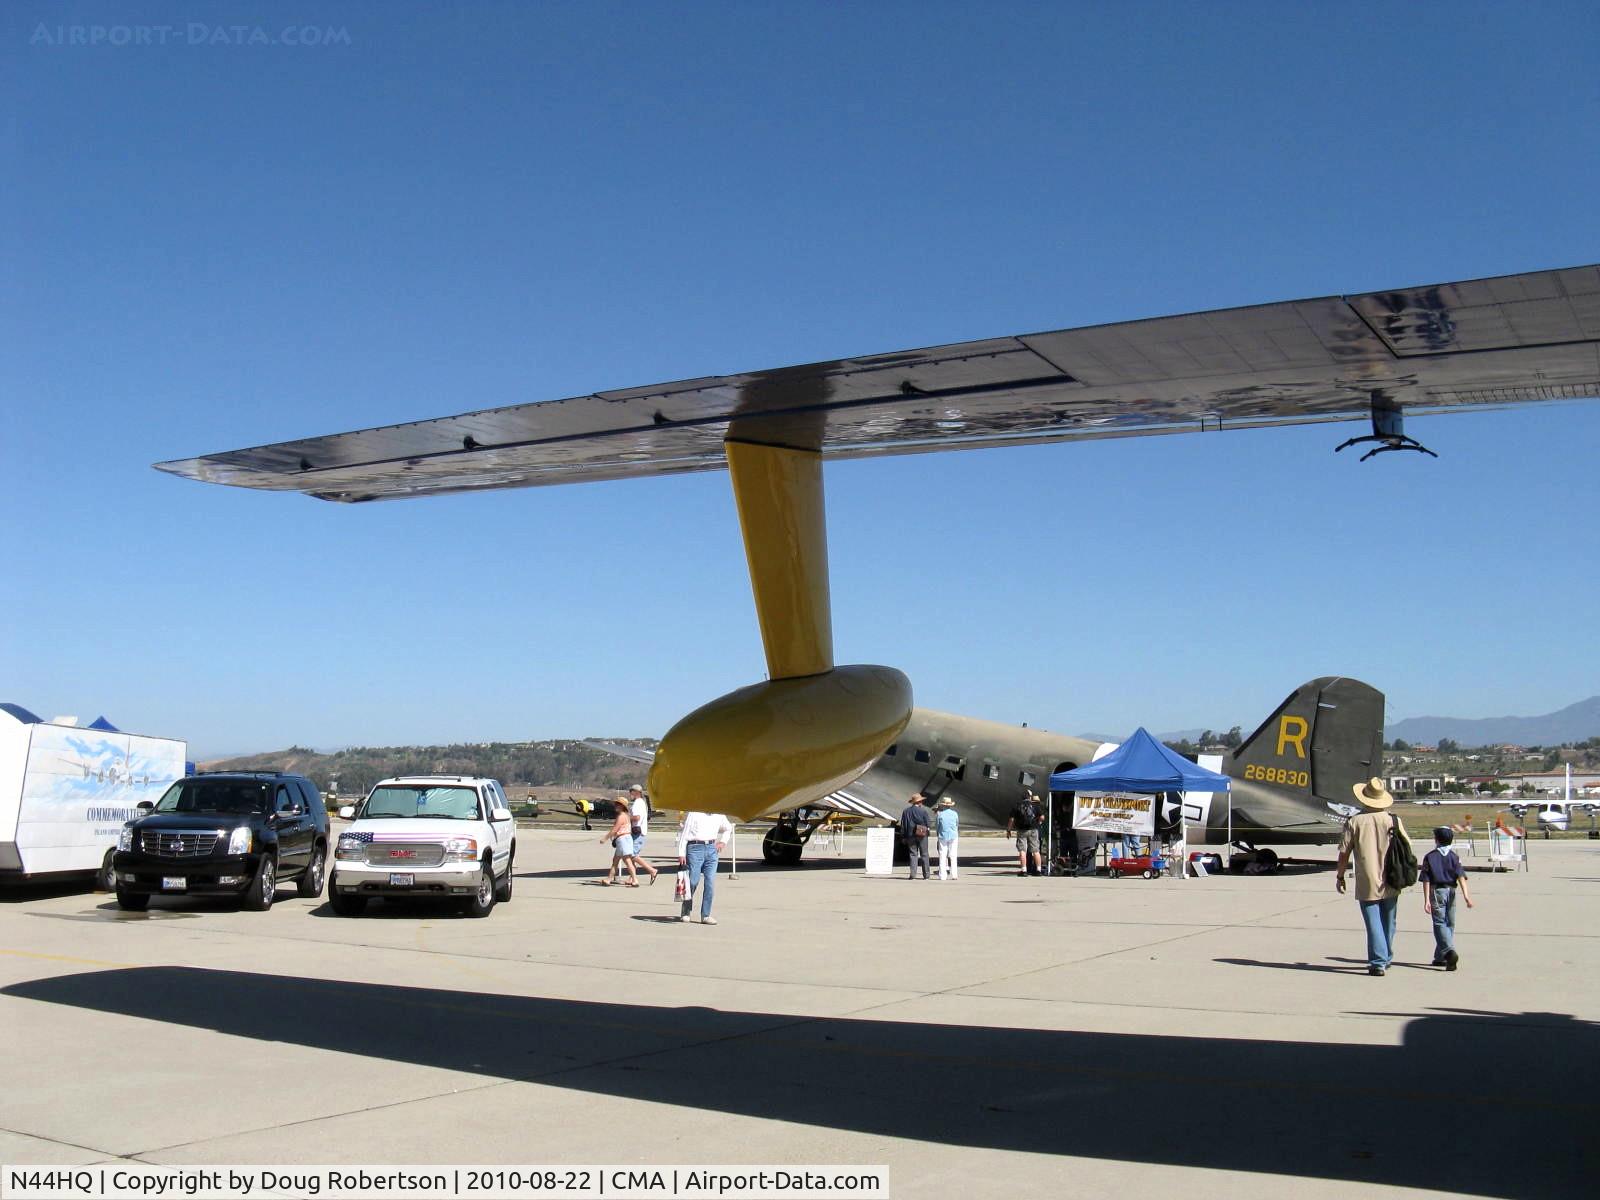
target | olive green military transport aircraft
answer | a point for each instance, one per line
(1293, 777)
(813, 729)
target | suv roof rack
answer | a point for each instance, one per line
(259, 774)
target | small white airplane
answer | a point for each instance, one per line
(1554, 814)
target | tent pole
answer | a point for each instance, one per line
(1183, 836)
(1227, 851)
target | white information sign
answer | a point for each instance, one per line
(880, 851)
(1114, 814)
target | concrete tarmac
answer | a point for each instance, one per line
(991, 1036)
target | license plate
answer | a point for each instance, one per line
(401, 879)
(174, 883)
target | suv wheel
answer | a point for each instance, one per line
(482, 902)
(346, 904)
(311, 879)
(132, 901)
(106, 880)
(502, 890)
(258, 896)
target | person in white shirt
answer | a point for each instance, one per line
(948, 825)
(700, 840)
(639, 810)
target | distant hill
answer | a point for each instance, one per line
(553, 764)
(1575, 723)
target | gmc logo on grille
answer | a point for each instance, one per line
(402, 854)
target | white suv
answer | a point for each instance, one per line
(426, 835)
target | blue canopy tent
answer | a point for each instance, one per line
(1142, 764)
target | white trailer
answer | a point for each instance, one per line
(65, 791)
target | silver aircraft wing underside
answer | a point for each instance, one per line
(1485, 343)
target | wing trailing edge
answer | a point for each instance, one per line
(1484, 343)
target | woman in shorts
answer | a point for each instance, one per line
(621, 839)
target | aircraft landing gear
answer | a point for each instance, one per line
(1252, 861)
(783, 843)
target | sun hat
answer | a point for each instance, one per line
(947, 802)
(1373, 795)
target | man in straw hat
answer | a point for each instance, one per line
(1366, 839)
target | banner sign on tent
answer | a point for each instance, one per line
(1115, 814)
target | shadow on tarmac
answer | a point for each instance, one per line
(1295, 966)
(47, 889)
(1372, 1114)
(820, 863)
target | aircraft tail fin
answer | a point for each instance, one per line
(1321, 741)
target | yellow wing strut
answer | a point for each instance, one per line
(812, 727)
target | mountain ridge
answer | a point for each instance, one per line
(1574, 723)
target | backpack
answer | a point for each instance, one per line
(1399, 862)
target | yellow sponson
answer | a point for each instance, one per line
(777, 745)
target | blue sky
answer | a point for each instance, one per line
(216, 244)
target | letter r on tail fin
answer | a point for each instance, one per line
(1321, 741)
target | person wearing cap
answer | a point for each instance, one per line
(1366, 843)
(1025, 819)
(915, 824)
(948, 825)
(1442, 875)
(639, 811)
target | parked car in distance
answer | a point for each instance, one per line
(236, 833)
(429, 836)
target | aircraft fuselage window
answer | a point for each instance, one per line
(991, 770)
(890, 752)
(1025, 778)
(924, 756)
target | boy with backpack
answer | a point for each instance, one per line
(1442, 876)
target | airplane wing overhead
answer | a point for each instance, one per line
(1483, 343)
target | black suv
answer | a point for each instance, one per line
(234, 833)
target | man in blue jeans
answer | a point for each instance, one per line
(1366, 841)
(700, 839)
